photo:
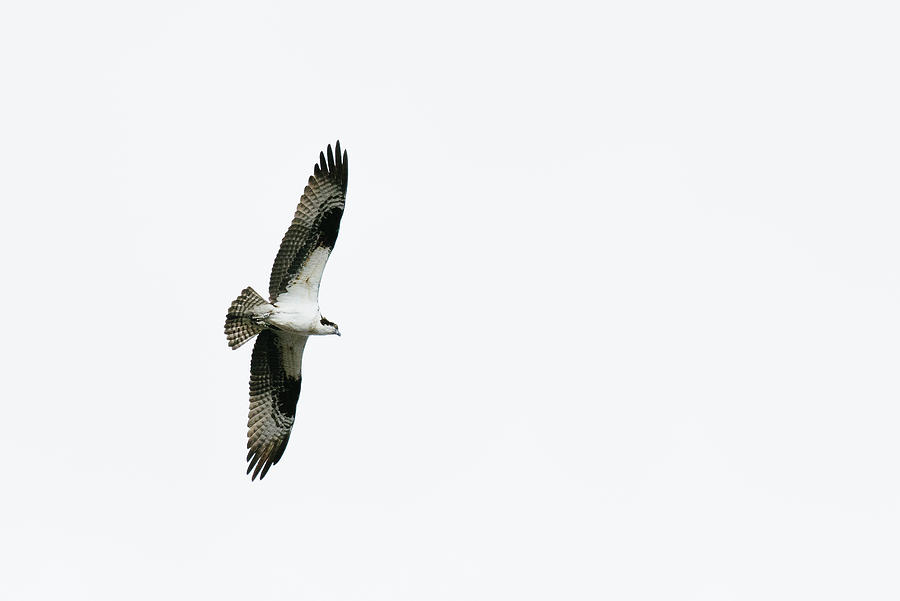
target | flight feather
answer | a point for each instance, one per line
(283, 325)
(316, 223)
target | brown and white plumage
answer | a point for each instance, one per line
(291, 315)
(274, 390)
(315, 224)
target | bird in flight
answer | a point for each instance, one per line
(291, 315)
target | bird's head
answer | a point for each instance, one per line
(329, 327)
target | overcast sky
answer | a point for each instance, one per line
(618, 286)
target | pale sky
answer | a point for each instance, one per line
(618, 285)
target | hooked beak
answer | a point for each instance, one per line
(338, 332)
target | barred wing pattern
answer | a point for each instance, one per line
(275, 367)
(315, 225)
(274, 391)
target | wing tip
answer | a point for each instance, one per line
(332, 164)
(340, 165)
(332, 161)
(256, 460)
(259, 463)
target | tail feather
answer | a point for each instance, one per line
(245, 317)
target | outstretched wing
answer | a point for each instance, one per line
(274, 390)
(308, 242)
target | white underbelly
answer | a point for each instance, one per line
(297, 322)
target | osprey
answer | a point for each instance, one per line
(291, 315)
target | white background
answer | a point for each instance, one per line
(618, 286)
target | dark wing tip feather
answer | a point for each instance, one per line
(341, 166)
(273, 405)
(259, 466)
(332, 165)
(252, 463)
(326, 189)
(259, 461)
